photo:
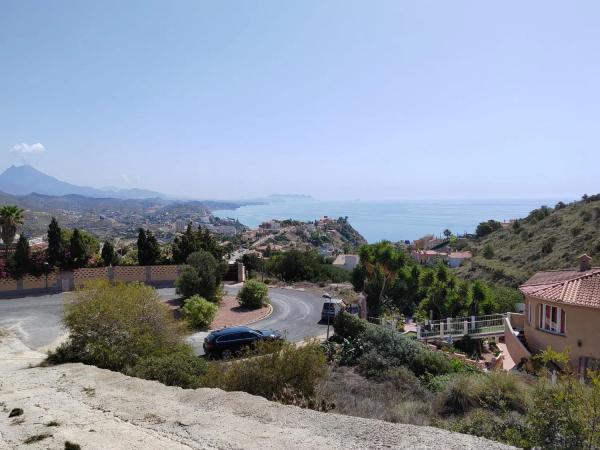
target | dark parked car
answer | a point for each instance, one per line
(228, 341)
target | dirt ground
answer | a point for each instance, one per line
(100, 409)
(231, 314)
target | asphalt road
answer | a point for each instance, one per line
(36, 320)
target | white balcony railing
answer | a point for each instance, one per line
(489, 325)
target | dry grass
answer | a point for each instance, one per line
(400, 398)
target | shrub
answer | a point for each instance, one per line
(496, 391)
(502, 391)
(113, 325)
(488, 251)
(565, 415)
(398, 397)
(373, 365)
(253, 294)
(485, 228)
(181, 368)
(278, 368)
(384, 344)
(433, 363)
(460, 395)
(510, 428)
(348, 326)
(199, 312)
(399, 349)
(548, 245)
(202, 275)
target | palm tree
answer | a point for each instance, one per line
(381, 261)
(10, 218)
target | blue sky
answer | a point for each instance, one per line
(337, 99)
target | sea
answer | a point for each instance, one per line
(390, 220)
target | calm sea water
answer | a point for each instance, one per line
(395, 221)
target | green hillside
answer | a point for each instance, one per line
(548, 238)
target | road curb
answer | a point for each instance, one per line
(268, 313)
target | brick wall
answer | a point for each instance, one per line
(82, 276)
(8, 285)
(58, 281)
(129, 273)
(159, 274)
(29, 282)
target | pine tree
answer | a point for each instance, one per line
(55, 250)
(77, 249)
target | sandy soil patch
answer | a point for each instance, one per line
(230, 314)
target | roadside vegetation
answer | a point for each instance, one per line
(393, 282)
(303, 265)
(199, 312)
(379, 373)
(366, 370)
(127, 328)
(253, 295)
(201, 275)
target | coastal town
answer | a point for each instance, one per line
(299, 225)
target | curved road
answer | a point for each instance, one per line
(36, 320)
(296, 313)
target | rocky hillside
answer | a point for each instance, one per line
(328, 235)
(548, 238)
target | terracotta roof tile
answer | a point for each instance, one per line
(566, 286)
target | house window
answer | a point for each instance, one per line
(552, 319)
(529, 311)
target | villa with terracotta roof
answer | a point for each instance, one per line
(562, 310)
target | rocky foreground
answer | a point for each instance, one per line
(100, 409)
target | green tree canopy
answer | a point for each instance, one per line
(202, 275)
(80, 249)
(381, 262)
(108, 254)
(77, 249)
(195, 240)
(148, 248)
(21, 259)
(55, 250)
(11, 217)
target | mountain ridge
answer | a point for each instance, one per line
(25, 179)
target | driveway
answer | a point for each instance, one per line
(36, 320)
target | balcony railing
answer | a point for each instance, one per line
(489, 325)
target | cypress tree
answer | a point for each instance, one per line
(55, 250)
(20, 260)
(141, 247)
(152, 253)
(108, 253)
(77, 249)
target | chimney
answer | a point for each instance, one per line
(585, 263)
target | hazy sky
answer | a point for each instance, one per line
(338, 99)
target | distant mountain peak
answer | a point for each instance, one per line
(26, 179)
